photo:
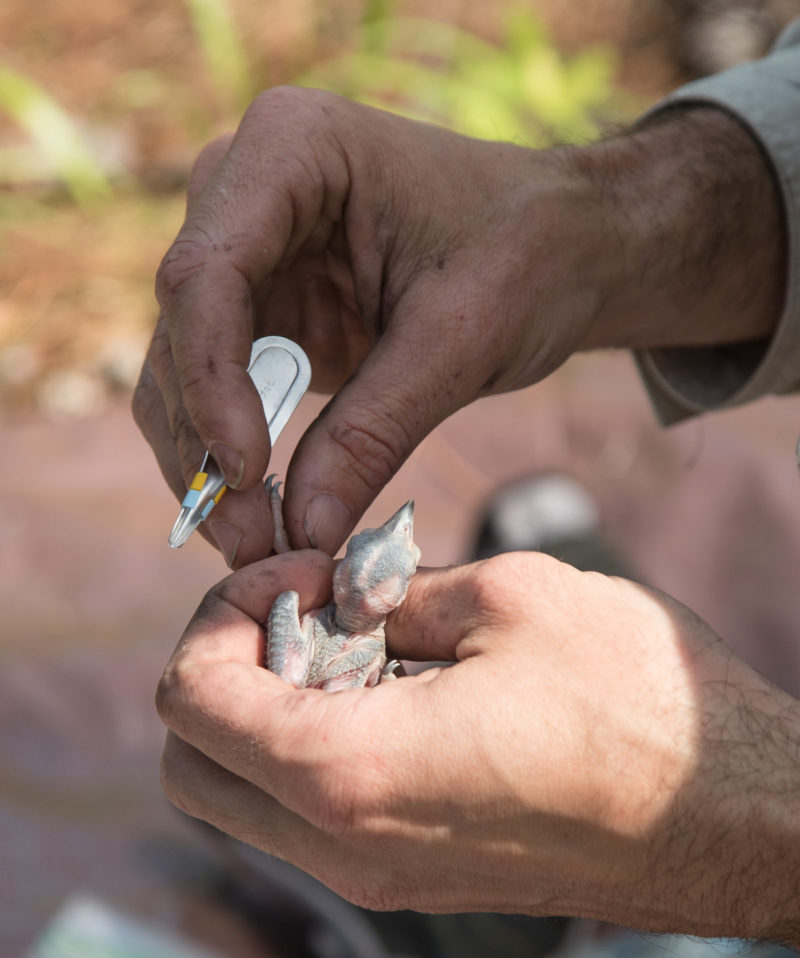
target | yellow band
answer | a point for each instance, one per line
(199, 480)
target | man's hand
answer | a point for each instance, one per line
(420, 270)
(595, 751)
(398, 255)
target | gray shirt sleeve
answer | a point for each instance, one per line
(765, 97)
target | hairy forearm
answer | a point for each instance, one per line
(764, 885)
(734, 852)
(695, 232)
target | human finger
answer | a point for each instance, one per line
(298, 745)
(205, 166)
(255, 210)
(229, 621)
(316, 752)
(216, 693)
(441, 609)
(186, 442)
(357, 867)
(165, 423)
(400, 392)
(241, 525)
(150, 415)
(202, 788)
(157, 405)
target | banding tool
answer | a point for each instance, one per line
(281, 373)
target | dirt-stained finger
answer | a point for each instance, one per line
(206, 165)
(150, 415)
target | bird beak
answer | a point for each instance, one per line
(402, 522)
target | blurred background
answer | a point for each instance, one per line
(102, 110)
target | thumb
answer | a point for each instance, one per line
(441, 608)
(362, 437)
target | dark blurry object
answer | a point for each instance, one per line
(301, 918)
(296, 915)
(714, 35)
(551, 513)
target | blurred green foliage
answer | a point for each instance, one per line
(59, 146)
(93, 195)
(223, 51)
(520, 88)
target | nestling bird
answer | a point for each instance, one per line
(342, 645)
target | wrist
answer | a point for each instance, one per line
(764, 796)
(734, 856)
(695, 239)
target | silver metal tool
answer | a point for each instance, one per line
(281, 373)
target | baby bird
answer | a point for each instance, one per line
(342, 645)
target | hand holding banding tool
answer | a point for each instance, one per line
(281, 373)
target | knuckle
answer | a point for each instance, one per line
(337, 792)
(496, 582)
(173, 786)
(488, 581)
(354, 800)
(208, 159)
(341, 811)
(194, 373)
(373, 451)
(175, 687)
(184, 260)
(181, 426)
(507, 584)
(170, 780)
(165, 696)
(289, 101)
(159, 355)
(375, 893)
(146, 400)
(188, 446)
(385, 883)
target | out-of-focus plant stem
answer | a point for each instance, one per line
(56, 136)
(223, 51)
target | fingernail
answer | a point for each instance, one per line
(228, 537)
(327, 522)
(229, 461)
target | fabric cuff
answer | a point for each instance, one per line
(765, 97)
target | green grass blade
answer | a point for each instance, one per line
(222, 50)
(55, 134)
